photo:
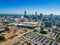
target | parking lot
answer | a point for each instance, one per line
(37, 38)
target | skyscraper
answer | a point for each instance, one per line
(51, 16)
(24, 13)
(36, 16)
(35, 13)
(41, 16)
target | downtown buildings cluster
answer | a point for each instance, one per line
(29, 29)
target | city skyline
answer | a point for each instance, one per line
(31, 6)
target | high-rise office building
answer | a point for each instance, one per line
(24, 13)
(36, 17)
(36, 13)
(48, 24)
(41, 15)
(51, 16)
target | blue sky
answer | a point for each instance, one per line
(31, 6)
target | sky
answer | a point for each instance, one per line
(31, 6)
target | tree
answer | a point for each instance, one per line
(6, 29)
(2, 38)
